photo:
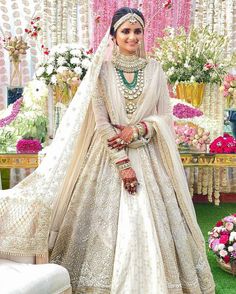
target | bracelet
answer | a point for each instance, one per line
(145, 127)
(122, 161)
(141, 129)
(135, 133)
(124, 166)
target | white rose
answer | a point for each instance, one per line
(75, 60)
(230, 248)
(40, 71)
(61, 69)
(223, 253)
(78, 70)
(50, 69)
(76, 52)
(192, 79)
(86, 63)
(221, 246)
(61, 60)
(53, 79)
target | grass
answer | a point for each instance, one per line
(208, 215)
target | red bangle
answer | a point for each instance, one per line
(123, 161)
(145, 127)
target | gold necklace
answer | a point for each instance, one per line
(128, 63)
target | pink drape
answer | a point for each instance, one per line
(157, 17)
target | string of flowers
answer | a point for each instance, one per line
(64, 21)
(229, 90)
(74, 21)
(217, 185)
(14, 112)
(191, 181)
(199, 181)
(54, 22)
(210, 184)
(204, 180)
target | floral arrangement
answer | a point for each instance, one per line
(191, 136)
(185, 114)
(28, 146)
(25, 118)
(222, 239)
(229, 89)
(196, 56)
(64, 60)
(223, 144)
(16, 47)
(181, 110)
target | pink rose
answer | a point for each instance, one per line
(229, 78)
(224, 239)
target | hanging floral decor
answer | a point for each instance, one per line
(229, 90)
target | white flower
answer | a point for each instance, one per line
(75, 60)
(61, 69)
(62, 49)
(35, 93)
(50, 69)
(40, 71)
(186, 64)
(192, 79)
(76, 52)
(223, 253)
(51, 60)
(86, 63)
(232, 236)
(78, 70)
(53, 79)
(230, 248)
(221, 246)
(61, 60)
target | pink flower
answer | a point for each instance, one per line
(229, 226)
(28, 146)
(219, 223)
(226, 85)
(224, 239)
(229, 78)
(223, 253)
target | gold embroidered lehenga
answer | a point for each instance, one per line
(110, 241)
(149, 243)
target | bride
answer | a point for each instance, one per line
(114, 197)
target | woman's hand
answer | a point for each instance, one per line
(129, 179)
(121, 140)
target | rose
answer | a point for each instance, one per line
(224, 239)
(230, 248)
(226, 259)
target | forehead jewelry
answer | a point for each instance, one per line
(131, 17)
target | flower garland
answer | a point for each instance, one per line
(64, 21)
(14, 112)
(54, 22)
(210, 184)
(74, 21)
(219, 16)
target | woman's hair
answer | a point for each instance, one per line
(121, 12)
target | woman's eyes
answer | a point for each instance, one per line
(127, 31)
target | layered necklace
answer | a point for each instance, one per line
(130, 90)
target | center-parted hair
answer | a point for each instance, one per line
(120, 13)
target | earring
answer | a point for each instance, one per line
(115, 50)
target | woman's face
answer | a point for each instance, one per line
(128, 37)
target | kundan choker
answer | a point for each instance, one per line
(128, 63)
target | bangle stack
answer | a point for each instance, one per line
(123, 164)
(135, 133)
(142, 129)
